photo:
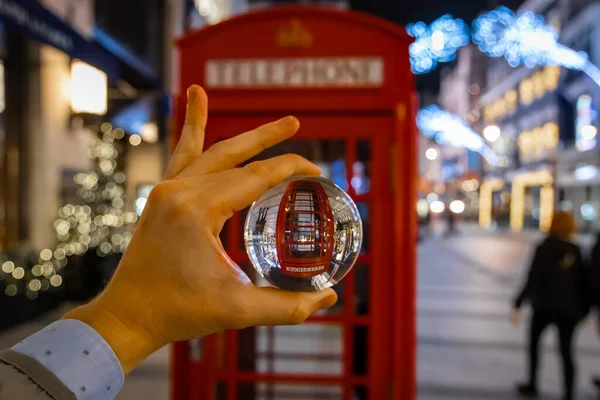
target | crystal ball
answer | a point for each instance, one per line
(304, 234)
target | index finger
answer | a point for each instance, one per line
(242, 186)
(230, 153)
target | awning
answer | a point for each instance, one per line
(34, 20)
(133, 117)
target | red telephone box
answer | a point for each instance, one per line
(346, 77)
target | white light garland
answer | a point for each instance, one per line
(82, 227)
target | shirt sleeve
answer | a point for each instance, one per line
(79, 357)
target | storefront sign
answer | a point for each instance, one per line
(585, 124)
(343, 72)
(79, 14)
(34, 20)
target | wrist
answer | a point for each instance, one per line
(128, 334)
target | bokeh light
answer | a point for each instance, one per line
(437, 207)
(431, 154)
(491, 133)
(436, 43)
(457, 206)
(448, 129)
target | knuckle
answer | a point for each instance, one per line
(213, 204)
(220, 148)
(259, 168)
(160, 192)
(300, 313)
(171, 200)
(183, 209)
(290, 163)
(293, 160)
(238, 313)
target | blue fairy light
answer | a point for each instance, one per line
(525, 39)
(448, 129)
(436, 43)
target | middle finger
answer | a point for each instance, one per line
(230, 153)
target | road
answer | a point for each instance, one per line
(467, 349)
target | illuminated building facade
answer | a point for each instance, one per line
(548, 121)
(532, 114)
(578, 174)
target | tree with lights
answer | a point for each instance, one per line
(100, 223)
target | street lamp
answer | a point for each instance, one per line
(209, 10)
(89, 89)
(437, 207)
(457, 206)
(431, 154)
(491, 133)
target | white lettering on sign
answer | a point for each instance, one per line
(77, 13)
(308, 269)
(295, 73)
(21, 15)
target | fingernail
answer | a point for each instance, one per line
(286, 121)
(191, 93)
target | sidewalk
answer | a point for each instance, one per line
(586, 240)
(467, 350)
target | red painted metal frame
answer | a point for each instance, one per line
(380, 116)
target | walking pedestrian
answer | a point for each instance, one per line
(556, 288)
(451, 222)
(596, 290)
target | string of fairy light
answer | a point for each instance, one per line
(103, 225)
(522, 38)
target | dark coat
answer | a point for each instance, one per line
(558, 280)
(595, 274)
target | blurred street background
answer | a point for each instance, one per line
(466, 347)
(508, 98)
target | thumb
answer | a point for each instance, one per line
(272, 306)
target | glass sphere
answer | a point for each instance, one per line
(304, 234)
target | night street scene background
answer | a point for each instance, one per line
(463, 131)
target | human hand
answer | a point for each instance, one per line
(175, 281)
(516, 316)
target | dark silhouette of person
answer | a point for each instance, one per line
(451, 222)
(557, 288)
(595, 280)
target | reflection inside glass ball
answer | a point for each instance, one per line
(304, 234)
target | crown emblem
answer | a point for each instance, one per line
(294, 34)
